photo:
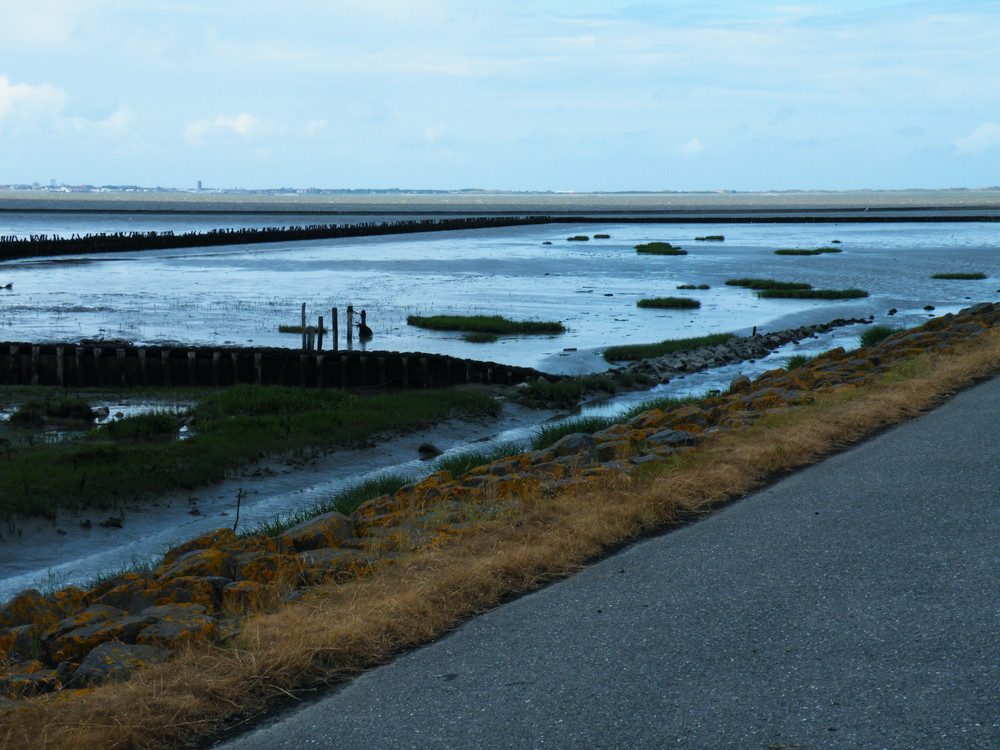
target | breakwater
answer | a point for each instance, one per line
(204, 589)
(41, 245)
(113, 365)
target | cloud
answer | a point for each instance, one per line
(243, 125)
(985, 137)
(26, 104)
(692, 148)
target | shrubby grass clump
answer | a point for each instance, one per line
(670, 303)
(602, 236)
(484, 324)
(565, 392)
(797, 360)
(578, 238)
(629, 352)
(34, 413)
(693, 286)
(230, 428)
(812, 293)
(961, 276)
(759, 284)
(874, 334)
(817, 251)
(659, 248)
(711, 238)
(466, 461)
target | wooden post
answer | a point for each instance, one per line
(303, 359)
(344, 363)
(12, 365)
(143, 368)
(192, 368)
(425, 375)
(258, 368)
(165, 364)
(404, 362)
(350, 327)
(381, 371)
(235, 367)
(61, 366)
(319, 335)
(98, 368)
(122, 370)
(363, 371)
(334, 332)
(303, 325)
(81, 368)
(36, 361)
(310, 338)
(216, 356)
(320, 378)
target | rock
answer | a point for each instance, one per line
(29, 607)
(216, 538)
(328, 530)
(428, 451)
(115, 662)
(111, 523)
(198, 562)
(740, 384)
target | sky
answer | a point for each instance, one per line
(561, 95)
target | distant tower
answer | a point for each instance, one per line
(199, 186)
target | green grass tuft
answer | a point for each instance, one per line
(670, 303)
(693, 286)
(659, 248)
(759, 284)
(484, 324)
(629, 352)
(817, 251)
(961, 276)
(466, 461)
(798, 360)
(873, 334)
(711, 238)
(812, 293)
(578, 238)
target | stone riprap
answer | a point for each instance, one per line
(205, 589)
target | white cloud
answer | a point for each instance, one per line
(28, 104)
(243, 125)
(985, 137)
(692, 148)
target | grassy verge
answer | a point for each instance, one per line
(760, 284)
(341, 630)
(138, 456)
(977, 276)
(812, 293)
(659, 248)
(629, 352)
(483, 324)
(670, 303)
(817, 251)
(873, 334)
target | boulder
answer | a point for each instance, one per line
(328, 530)
(115, 662)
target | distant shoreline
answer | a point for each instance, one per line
(480, 203)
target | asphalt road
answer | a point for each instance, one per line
(855, 604)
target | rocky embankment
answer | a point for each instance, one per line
(55, 644)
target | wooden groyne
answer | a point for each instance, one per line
(115, 365)
(41, 245)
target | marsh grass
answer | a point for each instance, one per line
(760, 284)
(480, 337)
(812, 293)
(693, 286)
(232, 428)
(467, 460)
(817, 251)
(977, 276)
(36, 412)
(669, 303)
(484, 324)
(578, 238)
(873, 334)
(798, 360)
(565, 392)
(602, 236)
(711, 238)
(659, 248)
(629, 352)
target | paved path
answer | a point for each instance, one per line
(856, 604)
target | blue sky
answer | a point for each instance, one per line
(445, 94)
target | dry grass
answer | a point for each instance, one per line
(338, 630)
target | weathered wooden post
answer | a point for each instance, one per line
(350, 327)
(61, 366)
(334, 331)
(319, 335)
(303, 325)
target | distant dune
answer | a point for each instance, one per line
(502, 202)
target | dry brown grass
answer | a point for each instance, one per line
(339, 630)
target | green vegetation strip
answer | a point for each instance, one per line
(817, 251)
(659, 248)
(711, 238)
(139, 457)
(484, 324)
(961, 276)
(670, 303)
(629, 352)
(812, 293)
(693, 286)
(873, 334)
(759, 284)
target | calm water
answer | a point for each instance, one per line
(241, 294)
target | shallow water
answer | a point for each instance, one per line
(240, 295)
